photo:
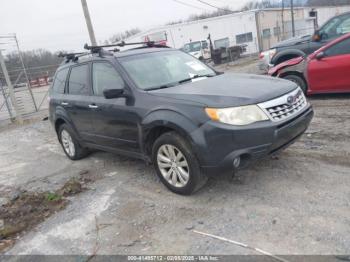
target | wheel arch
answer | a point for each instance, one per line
(163, 121)
(61, 117)
(296, 73)
(286, 55)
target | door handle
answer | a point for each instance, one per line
(93, 106)
(64, 104)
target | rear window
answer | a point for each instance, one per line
(78, 80)
(60, 81)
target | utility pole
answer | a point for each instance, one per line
(292, 13)
(10, 87)
(88, 23)
(283, 30)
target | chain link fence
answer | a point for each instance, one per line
(30, 97)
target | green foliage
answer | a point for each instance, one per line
(53, 197)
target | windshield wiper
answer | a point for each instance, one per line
(177, 83)
(159, 87)
(194, 77)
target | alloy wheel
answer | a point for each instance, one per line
(173, 165)
(67, 142)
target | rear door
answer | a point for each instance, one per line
(76, 102)
(57, 90)
(331, 73)
(114, 120)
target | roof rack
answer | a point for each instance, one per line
(72, 56)
(98, 48)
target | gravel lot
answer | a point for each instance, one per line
(297, 203)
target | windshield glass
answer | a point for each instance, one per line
(163, 69)
(192, 47)
(335, 27)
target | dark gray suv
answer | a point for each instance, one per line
(168, 108)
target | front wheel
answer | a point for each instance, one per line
(298, 80)
(176, 165)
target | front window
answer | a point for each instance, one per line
(192, 47)
(222, 43)
(104, 76)
(164, 69)
(341, 48)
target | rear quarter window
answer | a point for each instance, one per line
(60, 81)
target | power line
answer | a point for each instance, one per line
(189, 5)
(219, 8)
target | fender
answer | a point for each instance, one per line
(287, 52)
(168, 118)
(298, 68)
(62, 114)
(171, 119)
(274, 71)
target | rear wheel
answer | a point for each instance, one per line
(298, 80)
(176, 165)
(70, 144)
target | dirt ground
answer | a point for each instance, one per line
(297, 203)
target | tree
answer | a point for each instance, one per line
(327, 2)
(39, 62)
(121, 36)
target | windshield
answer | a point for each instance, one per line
(192, 47)
(335, 27)
(163, 69)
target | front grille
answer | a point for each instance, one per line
(285, 106)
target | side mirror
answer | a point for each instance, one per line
(316, 36)
(114, 93)
(320, 55)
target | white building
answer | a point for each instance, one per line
(258, 29)
(235, 28)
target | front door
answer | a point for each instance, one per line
(331, 73)
(114, 120)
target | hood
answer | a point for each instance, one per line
(293, 41)
(291, 62)
(228, 90)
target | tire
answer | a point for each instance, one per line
(298, 80)
(69, 143)
(177, 181)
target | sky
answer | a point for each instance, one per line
(60, 24)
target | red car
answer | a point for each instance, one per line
(327, 70)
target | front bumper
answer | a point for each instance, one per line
(217, 145)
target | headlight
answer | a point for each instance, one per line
(272, 52)
(242, 115)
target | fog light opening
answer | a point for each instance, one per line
(237, 162)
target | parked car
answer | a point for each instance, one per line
(168, 108)
(305, 45)
(325, 71)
